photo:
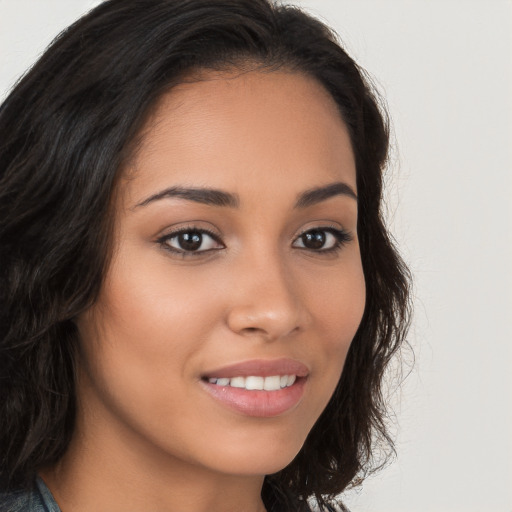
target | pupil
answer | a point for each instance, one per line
(314, 239)
(190, 241)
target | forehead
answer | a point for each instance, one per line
(242, 130)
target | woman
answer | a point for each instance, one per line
(199, 297)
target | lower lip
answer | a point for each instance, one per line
(262, 404)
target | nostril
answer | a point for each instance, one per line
(269, 319)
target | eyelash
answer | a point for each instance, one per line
(341, 236)
(164, 241)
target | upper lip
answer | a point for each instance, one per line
(260, 367)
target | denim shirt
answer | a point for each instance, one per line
(40, 499)
(37, 499)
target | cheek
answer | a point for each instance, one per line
(149, 303)
(338, 304)
(139, 345)
(148, 329)
(339, 300)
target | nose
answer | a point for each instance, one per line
(265, 300)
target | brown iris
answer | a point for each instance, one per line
(314, 239)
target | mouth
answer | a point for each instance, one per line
(258, 388)
(256, 383)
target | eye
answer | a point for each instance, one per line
(189, 241)
(322, 239)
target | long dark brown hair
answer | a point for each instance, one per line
(67, 128)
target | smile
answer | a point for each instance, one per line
(272, 383)
(258, 388)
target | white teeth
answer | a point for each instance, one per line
(272, 383)
(254, 382)
(237, 382)
(291, 380)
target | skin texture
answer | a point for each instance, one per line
(148, 436)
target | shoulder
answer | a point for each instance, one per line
(36, 499)
(21, 501)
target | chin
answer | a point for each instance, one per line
(264, 464)
(264, 455)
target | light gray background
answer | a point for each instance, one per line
(445, 68)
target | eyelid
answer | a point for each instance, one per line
(187, 229)
(323, 225)
(342, 236)
(189, 225)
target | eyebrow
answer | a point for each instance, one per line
(208, 196)
(215, 197)
(319, 194)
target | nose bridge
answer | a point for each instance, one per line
(266, 300)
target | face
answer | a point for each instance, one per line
(236, 284)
